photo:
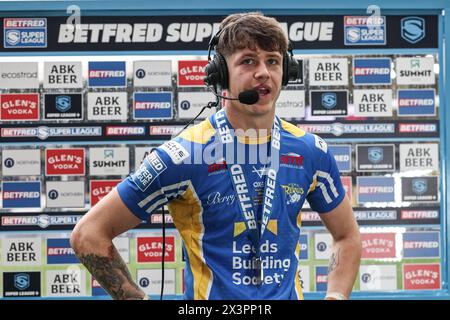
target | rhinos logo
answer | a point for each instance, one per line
(293, 193)
(375, 154)
(419, 186)
(413, 29)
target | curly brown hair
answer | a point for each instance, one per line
(248, 30)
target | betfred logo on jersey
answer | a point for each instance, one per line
(100, 188)
(64, 162)
(19, 106)
(378, 245)
(421, 276)
(59, 251)
(191, 73)
(107, 74)
(21, 194)
(149, 249)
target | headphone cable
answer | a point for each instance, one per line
(163, 251)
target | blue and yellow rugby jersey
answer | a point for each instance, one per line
(205, 210)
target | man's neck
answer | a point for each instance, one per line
(262, 124)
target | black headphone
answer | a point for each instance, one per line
(217, 70)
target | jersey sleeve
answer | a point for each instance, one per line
(327, 191)
(161, 178)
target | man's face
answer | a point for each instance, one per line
(259, 70)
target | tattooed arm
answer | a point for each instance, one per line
(91, 240)
(346, 252)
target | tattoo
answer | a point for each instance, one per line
(334, 261)
(112, 273)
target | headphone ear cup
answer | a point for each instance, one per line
(216, 72)
(285, 78)
(223, 70)
(290, 69)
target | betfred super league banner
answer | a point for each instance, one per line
(166, 33)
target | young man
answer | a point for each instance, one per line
(235, 197)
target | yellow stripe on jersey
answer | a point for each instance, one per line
(272, 226)
(298, 286)
(187, 217)
(200, 133)
(293, 129)
(239, 227)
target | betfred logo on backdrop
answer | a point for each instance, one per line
(100, 188)
(64, 162)
(59, 251)
(19, 106)
(107, 74)
(24, 32)
(191, 73)
(149, 249)
(421, 276)
(378, 245)
(21, 194)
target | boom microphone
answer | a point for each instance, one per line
(245, 97)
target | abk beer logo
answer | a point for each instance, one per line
(371, 71)
(378, 245)
(149, 280)
(59, 251)
(21, 284)
(190, 104)
(140, 153)
(421, 245)
(149, 249)
(328, 72)
(109, 161)
(22, 251)
(21, 194)
(19, 106)
(100, 188)
(364, 30)
(304, 278)
(66, 283)
(191, 73)
(63, 106)
(64, 162)
(329, 103)
(19, 75)
(375, 189)
(421, 276)
(420, 189)
(65, 194)
(107, 74)
(378, 277)
(152, 73)
(413, 29)
(416, 102)
(419, 156)
(415, 71)
(152, 105)
(24, 33)
(291, 104)
(107, 106)
(63, 75)
(372, 103)
(343, 156)
(21, 162)
(376, 157)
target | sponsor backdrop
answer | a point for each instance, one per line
(72, 128)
